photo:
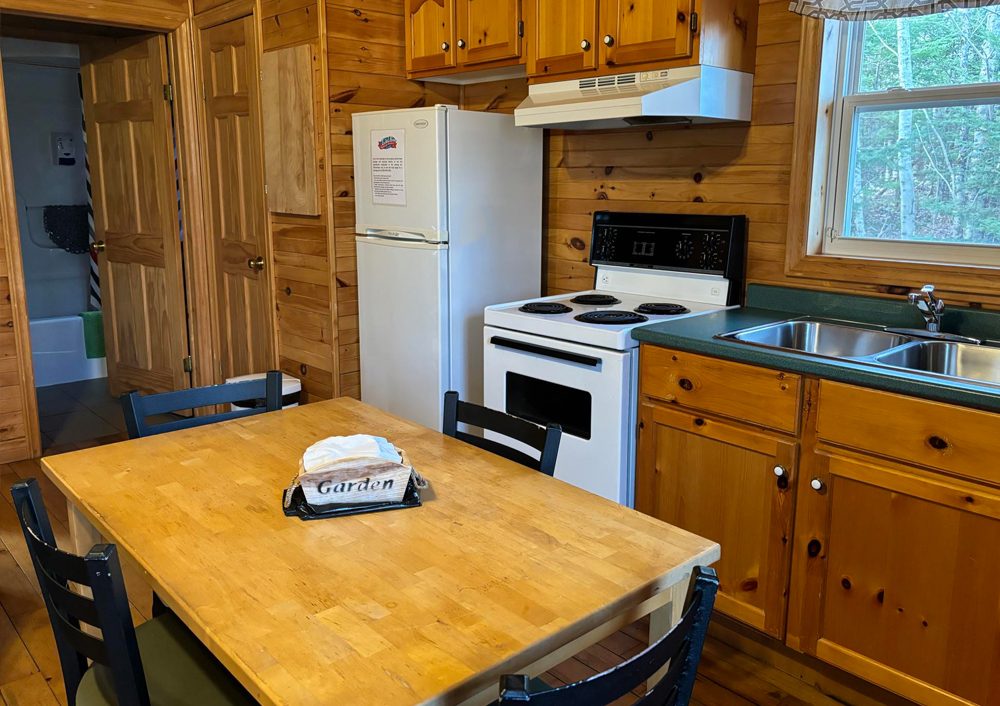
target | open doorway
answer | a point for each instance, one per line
(93, 156)
(48, 153)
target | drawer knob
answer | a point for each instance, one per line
(936, 442)
(685, 384)
(818, 485)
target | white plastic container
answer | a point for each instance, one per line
(291, 388)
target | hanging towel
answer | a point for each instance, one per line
(93, 333)
(68, 227)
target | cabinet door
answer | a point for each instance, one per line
(643, 31)
(562, 36)
(488, 30)
(899, 579)
(718, 481)
(430, 34)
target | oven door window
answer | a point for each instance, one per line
(544, 403)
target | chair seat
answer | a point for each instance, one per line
(180, 671)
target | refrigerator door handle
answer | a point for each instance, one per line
(534, 349)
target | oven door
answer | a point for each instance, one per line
(586, 390)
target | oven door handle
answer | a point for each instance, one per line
(544, 351)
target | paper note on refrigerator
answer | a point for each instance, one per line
(388, 167)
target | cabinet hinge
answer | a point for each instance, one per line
(220, 371)
(262, 76)
(694, 22)
(204, 93)
(520, 28)
(265, 189)
(188, 365)
(168, 92)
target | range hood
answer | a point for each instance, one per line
(690, 94)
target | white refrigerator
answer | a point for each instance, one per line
(448, 207)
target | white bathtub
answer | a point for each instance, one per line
(58, 353)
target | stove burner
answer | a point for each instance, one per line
(662, 309)
(610, 317)
(545, 308)
(596, 299)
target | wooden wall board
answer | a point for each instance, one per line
(288, 102)
(304, 269)
(162, 15)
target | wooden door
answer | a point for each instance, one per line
(644, 31)
(230, 71)
(718, 480)
(561, 36)
(902, 578)
(131, 152)
(430, 34)
(488, 30)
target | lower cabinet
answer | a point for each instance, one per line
(901, 584)
(866, 532)
(732, 485)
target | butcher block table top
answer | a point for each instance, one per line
(501, 566)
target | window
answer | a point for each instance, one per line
(914, 154)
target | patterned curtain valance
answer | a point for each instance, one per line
(864, 10)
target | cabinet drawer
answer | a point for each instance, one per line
(761, 396)
(955, 439)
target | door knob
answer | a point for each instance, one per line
(256, 263)
(97, 246)
(444, 46)
(461, 44)
(609, 40)
(585, 45)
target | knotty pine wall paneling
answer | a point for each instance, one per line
(303, 245)
(367, 72)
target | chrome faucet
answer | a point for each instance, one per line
(930, 306)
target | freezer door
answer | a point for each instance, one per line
(403, 317)
(400, 173)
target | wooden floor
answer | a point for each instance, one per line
(30, 672)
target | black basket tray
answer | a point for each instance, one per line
(304, 511)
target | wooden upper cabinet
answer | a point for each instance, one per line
(430, 34)
(718, 480)
(561, 36)
(643, 31)
(488, 30)
(900, 582)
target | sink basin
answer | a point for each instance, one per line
(821, 338)
(955, 360)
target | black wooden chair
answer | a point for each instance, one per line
(160, 662)
(681, 648)
(545, 441)
(137, 408)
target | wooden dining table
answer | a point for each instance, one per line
(502, 570)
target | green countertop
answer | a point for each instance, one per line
(697, 335)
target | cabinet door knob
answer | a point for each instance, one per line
(461, 44)
(444, 46)
(780, 471)
(817, 485)
(585, 45)
(609, 40)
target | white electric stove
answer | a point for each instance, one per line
(571, 359)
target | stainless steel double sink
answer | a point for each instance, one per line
(873, 345)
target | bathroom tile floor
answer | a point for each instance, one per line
(78, 411)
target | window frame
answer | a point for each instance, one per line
(848, 105)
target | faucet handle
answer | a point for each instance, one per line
(928, 289)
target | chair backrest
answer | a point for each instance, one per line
(545, 441)
(681, 648)
(137, 408)
(108, 610)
